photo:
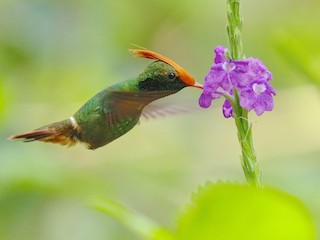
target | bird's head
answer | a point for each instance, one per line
(163, 74)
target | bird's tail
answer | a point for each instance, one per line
(63, 132)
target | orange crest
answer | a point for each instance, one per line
(183, 74)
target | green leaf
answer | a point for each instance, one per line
(231, 211)
(134, 221)
(163, 234)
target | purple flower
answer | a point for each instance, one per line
(258, 96)
(249, 76)
(222, 77)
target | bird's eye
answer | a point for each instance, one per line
(172, 75)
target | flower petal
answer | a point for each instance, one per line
(257, 67)
(205, 100)
(270, 89)
(215, 76)
(242, 66)
(259, 108)
(268, 101)
(247, 100)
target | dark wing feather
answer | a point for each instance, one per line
(127, 104)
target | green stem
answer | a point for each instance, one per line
(248, 157)
(234, 29)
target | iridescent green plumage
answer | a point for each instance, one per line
(116, 109)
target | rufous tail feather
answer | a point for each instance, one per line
(62, 132)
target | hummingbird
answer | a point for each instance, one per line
(117, 109)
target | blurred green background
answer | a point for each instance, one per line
(55, 55)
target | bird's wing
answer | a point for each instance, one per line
(126, 104)
(156, 110)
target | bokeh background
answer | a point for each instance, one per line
(55, 55)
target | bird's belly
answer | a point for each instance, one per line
(97, 133)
